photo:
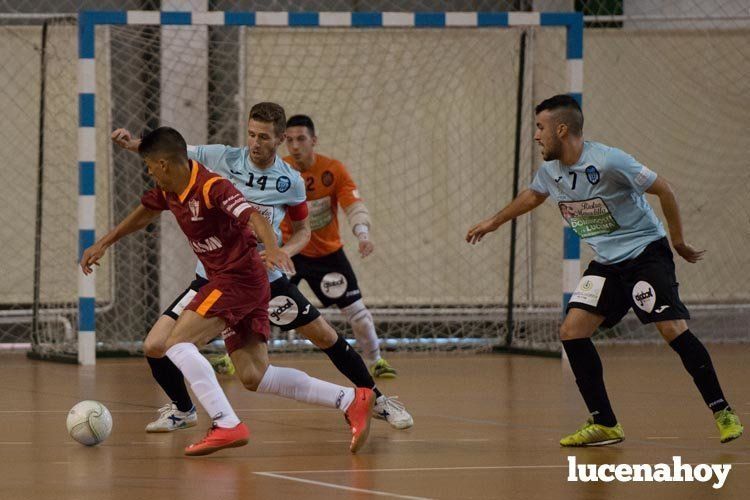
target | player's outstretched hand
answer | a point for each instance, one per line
(477, 231)
(91, 257)
(277, 258)
(123, 138)
(365, 248)
(689, 253)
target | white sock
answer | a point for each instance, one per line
(198, 372)
(298, 385)
(363, 327)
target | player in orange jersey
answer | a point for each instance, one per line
(323, 263)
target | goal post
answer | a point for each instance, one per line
(87, 141)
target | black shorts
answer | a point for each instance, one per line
(330, 277)
(288, 308)
(646, 283)
(183, 299)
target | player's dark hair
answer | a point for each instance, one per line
(164, 142)
(566, 110)
(269, 112)
(301, 121)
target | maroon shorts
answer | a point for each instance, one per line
(244, 307)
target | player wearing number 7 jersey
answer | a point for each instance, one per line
(600, 192)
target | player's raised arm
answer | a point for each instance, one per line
(526, 201)
(668, 201)
(123, 138)
(138, 219)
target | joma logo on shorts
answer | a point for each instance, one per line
(276, 313)
(207, 245)
(327, 285)
(643, 296)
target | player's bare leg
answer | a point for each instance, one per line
(191, 330)
(179, 413)
(602, 427)
(697, 362)
(255, 372)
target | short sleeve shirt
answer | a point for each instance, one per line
(328, 185)
(214, 217)
(269, 190)
(602, 199)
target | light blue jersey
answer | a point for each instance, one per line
(270, 190)
(602, 199)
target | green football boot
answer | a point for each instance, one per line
(729, 425)
(591, 434)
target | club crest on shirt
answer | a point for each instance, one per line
(283, 183)
(326, 178)
(592, 174)
(195, 210)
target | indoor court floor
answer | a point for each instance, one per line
(486, 426)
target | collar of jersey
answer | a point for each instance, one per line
(193, 175)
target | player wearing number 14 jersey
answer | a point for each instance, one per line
(275, 190)
(600, 193)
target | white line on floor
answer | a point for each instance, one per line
(662, 437)
(278, 442)
(419, 469)
(15, 442)
(338, 486)
(434, 469)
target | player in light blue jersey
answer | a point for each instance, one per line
(275, 189)
(600, 193)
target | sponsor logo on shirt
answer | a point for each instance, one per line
(588, 217)
(320, 212)
(643, 176)
(207, 245)
(265, 210)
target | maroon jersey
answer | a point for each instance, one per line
(214, 217)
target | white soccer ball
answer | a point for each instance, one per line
(89, 422)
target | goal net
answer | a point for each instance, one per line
(426, 121)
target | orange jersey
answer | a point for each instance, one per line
(328, 184)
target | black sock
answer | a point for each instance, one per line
(350, 363)
(698, 364)
(171, 380)
(587, 368)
